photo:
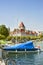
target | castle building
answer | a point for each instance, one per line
(21, 31)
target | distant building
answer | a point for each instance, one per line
(21, 31)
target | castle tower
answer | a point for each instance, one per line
(21, 26)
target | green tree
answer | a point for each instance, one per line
(2, 37)
(4, 30)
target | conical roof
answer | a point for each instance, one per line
(21, 25)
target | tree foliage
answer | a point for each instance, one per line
(2, 37)
(4, 30)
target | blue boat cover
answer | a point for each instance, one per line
(26, 45)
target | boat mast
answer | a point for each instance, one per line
(16, 32)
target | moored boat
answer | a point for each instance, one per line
(22, 47)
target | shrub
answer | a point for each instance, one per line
(9, 38)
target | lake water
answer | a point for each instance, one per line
(26, 59)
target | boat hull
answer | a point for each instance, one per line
(22, 51)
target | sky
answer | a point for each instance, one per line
(30, 12)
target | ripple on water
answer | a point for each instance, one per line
(27, 59)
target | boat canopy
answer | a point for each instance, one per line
(26, 45)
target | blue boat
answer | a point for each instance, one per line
(22, 47)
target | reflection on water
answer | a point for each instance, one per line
(10, 62)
